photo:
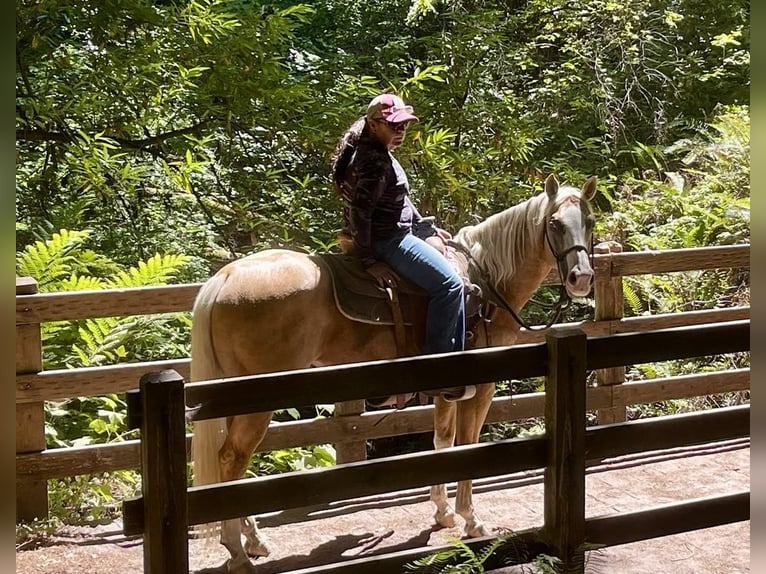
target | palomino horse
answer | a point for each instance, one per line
(250, 318)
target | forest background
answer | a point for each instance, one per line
(158, 139)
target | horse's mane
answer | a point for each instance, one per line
(499, 243)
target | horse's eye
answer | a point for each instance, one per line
(556, 225)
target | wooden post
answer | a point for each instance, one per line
(564, 496)
(609, 306)
(163, 471)
(31, 493)
(352, 450)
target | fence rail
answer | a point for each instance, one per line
(35, 464)
(564, 451)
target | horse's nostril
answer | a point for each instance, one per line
(574, 277)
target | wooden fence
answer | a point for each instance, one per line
(35, 464)
(166, 509)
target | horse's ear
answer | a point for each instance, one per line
(589, 188)
(551, 186)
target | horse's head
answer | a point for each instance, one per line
(568, 231)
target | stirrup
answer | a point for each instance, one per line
(399, 401)
(453, 394)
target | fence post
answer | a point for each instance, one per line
(163, 472)
(564, 497)
(609, 306)
(31, 493)
(353, 450)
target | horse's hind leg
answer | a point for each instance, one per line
(245, 433)
(444, 437)
(470, 419)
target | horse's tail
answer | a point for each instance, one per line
(210, 434)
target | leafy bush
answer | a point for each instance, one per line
(35, 533)
(89, 498)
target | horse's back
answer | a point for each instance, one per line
(267, 275)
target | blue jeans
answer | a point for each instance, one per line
(414, 259)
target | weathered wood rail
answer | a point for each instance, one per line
(35, 464)
(167, 508)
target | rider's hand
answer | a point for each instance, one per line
(443, 233)
(384, 275)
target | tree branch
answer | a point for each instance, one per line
(147, 144)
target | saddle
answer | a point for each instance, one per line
(359, 298)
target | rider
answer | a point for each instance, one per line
(385, 226)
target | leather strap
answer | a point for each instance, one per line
(400, 336)
(399, 333)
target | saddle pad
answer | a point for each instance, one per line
(360, 298)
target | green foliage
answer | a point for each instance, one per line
(35, 533)
(91, 498)
(205, 127)
(86, 420)
(291, 459)
(507, 548)
(702, 196)
(696, 192)
(64, 262)
(298, 458)
(460, 559)
(56, 261)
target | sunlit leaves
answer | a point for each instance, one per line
(52, 261)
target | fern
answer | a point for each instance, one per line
(632, 298)
(51, 261)
(62, 262)
(506, 549)
(157, 270)
(81, 283)
(104, 340)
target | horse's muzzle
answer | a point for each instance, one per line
(579, 282)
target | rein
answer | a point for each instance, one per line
(501, 302)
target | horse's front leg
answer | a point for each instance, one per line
(255, 545)
(470, 418)
(444, 437)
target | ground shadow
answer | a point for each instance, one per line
(363, 545)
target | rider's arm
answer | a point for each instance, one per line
(369, 186)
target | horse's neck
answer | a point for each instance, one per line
(514, 236)
(510, 249)
(532, 269)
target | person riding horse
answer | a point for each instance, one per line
(386, 230)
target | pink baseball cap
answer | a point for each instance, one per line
(391, 108)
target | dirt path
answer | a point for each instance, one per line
(307, 537)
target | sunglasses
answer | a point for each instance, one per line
(397, 127)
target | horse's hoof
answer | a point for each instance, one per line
(445, 519)
(478, 530)
(245, 567)
(257, 549)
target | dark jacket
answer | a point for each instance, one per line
(376, 205)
